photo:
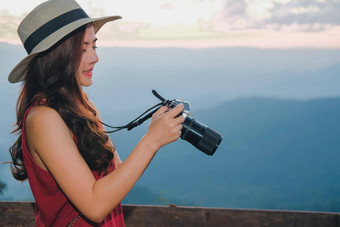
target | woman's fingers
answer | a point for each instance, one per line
(175, 111)
(161, 111)
(166, 125)
(172, 113)
(180, 119)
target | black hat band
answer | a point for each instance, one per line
(53, 25)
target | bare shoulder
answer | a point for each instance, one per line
(41, 115)
(42, 112)
(45, 132)
(42, 118)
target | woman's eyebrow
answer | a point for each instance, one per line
(86, 43)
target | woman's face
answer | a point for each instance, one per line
(89, 57)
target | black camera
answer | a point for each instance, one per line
(196, 133)
(193, 131)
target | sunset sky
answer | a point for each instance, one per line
(203, 23)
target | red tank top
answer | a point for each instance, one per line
(52, 206)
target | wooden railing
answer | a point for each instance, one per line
(22, 214)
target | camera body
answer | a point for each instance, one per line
(199, 135)
(186, 104)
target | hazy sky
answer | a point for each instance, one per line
(203, 23)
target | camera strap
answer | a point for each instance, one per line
(138, 121)
(141, 118)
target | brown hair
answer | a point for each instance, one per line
(51, 76)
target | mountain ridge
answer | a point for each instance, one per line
(290, 169)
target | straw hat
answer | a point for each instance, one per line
(48, 23)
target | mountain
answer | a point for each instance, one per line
(276, 154)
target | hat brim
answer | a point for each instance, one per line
(18, 73)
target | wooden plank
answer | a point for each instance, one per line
(197, 216)
(22, 214)
(17, 214)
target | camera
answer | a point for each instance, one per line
(199, 135)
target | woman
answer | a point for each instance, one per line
(75, 173)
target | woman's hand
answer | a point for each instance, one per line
(165, 127)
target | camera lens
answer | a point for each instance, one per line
(200, 135)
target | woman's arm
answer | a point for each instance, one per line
(51, 141)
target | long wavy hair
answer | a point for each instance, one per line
(51, 76)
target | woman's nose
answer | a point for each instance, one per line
(93, 58)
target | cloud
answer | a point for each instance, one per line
(207, 22)
(306, 12)
(131, 27)
(303, 15)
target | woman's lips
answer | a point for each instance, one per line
(88, 72)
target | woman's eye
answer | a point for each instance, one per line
(94, 47)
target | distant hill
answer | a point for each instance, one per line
(275, 155)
